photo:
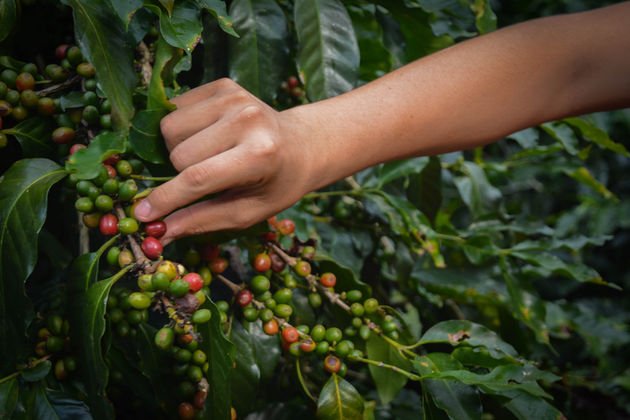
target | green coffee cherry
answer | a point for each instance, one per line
(160, 281)
(178, 288)
(128, 225)
(84, 204)
(164, 338)
(201, 316)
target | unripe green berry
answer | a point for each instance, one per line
(84, 204)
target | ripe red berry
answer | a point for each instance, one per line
(108, 225)
(75, 147)
(112, 160)
(210, 252)
(332, 363)
(286, 226)
(273, 221)
(307, 345)
(156, 229)
(218, 265)
(60, 51)
(63, 135)
(303, 268)
(328, 280)
(262, 262)
(186, 411)
(290, 334)
(200, 399)
(277, 263)
(195, 281)
(271, 327)
(269, 236)
(244, 297)
(152, 248)
(24, 81)
(293, 82)
(111, 172)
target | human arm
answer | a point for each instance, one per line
(223, 140)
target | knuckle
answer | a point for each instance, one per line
(197, 176)
(250, 112)
(177, 158)
(224, 83)
(168, 127)
(264, 148)
(242, 220)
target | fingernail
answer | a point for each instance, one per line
(143, 210)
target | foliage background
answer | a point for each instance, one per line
(528, 236)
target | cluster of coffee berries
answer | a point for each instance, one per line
(53, 341)
(291, 93)
(66, 91)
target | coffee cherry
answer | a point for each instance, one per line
(266, 315)
(9, 76)
(152, 248)
(285, 226)
(60, 51)
(318, 332)
(106, 108)
(84, 204)
(371, 306)
(218, 265)
(332, 364)
(145, 282)
(262, 262)
(5, 108)
(283, 296)
(223, 306)
(116, 315)
(344, 347)
(128, 226)
(125, 257)
(315, 300)
(127, 190)
(200, 399)
(168, 268)
(271, 327)
(328, 280)
(191, 258)
(86, 70)
(54, 324)
(54, 344)
(302, 268)
(63, 135)
(333, 334)
(250, 313)
(3, 140)
(354, 295)
(90, 114)
(357, 309)
(77, 147)
(201, 316)
(365, 332)
(110, 187)
(206, 275)
(186, 411)
(244, 297)
(195, 282)
(91, 220)
(74, 55)
(389, 325)
(70, 363)
(3, 89)
(260, 284)
(24, 81)
(139, 300)
(111, 172)
(290, 334)
(289, 281)
(293, 82)
(56, 73)
(270, 303)
(46, 107)
(104, 203)
(283, 311)
(19, 113)
(124, 168)
(13, 97)
(112, 254)
(60, 371)
(307, 345)
(178, 288)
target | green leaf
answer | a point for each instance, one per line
(23, 203)
(458, 332)
(85, 162)
(47, 404)
(166, 57)
(221, 355)
(87, 327)
(259, 57)
(71, 100)
(183, 28)
(584, 176)
(256, 360)
(168, 6)
(425, 190)
(37, 372)
(391, 171)
(56, 252)
(526, 306)
(563, 134)
(460, 401)
(145, 137)
(11, 63)
(479, 357)
(388, 383)
(485, 19)
(217, 8)
(104, 43)
(526, 407)
(125, 9)
(527, 138)
(8, 17)
(596, 135)
(505, 380)
(8, 397)
(34, 135)
(339, 400)
(328, 55)
(478, 194)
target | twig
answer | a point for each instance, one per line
(455, 308)
(58, 87)
(377, 363)
(145, 63)
(84, 236)
(233, 286)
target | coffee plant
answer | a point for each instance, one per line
(486, 284)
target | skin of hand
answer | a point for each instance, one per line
(224, 140)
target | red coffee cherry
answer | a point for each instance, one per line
(108, 225)
(63, 135)
(286, 227)
(200, 399)
(262, 262)
(210, 252)
(111, 172)
(112, 160)
(195, 281)
(271, 327)
(290, 334)
(152, 248)
(293, 82)
(60, 51)
(186, 411)
(75, 147)
(332, 363)
(24, 81)
(244, 297)
(218, 265)
(328, 280)
(156, 229)
(307, 345)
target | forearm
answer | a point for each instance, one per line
(473, 93)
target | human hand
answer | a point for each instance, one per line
(224, 140)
